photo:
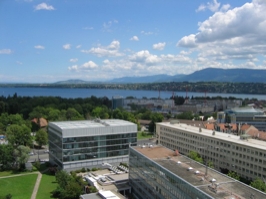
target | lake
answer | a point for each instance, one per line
(83, 93)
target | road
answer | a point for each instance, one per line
(42, 155)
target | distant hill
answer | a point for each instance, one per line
(226, 75)
(146, 79)
(205, 75)
(73, 81)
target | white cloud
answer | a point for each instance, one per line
(134, 38)
(237, 34)
(44, 6)
(39, 47)
(5, 51)
(90, 65)
(187, 41)
(111, 50)
(225, 7)
(146, 33)
(73, 60)
(67, 46)
(107, 25)
(212, 6)
(145, 57)
(159, 46)
(74, 67)
(78, 46)
(18, 62)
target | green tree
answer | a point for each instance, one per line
(62, 178)
(6, 156)
(72, 191)
(100, 112)
(73, 114)
(186, 116)
(53, 114)
(19, 135)
(21, 155)
(155, 117)
(259, 184)
(234, 175)
(41, 137)
(195, 156)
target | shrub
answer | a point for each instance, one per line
(83, 170)
(94, 169)
(88, 169)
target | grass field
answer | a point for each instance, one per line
(47, 185)
(9, 173)
(18, 186)
(143, 135)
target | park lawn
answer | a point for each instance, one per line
(47, 185)
(9, 173)
(141, 135)
(18, 186)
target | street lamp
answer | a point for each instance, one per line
(206, 157)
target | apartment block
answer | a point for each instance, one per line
(241, 154)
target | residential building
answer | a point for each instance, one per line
(245, 156)
(248, 115)
(87, 144)
(156, 172)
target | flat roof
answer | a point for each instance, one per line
(246, 110)
(178, 165)
(98, 123)
(218, 135)
(95, 127)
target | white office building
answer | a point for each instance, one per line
(245, 156)
(88, 144)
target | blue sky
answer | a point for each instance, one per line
(97, 40)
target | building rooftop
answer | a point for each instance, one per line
(246, 110)
(93, 127)
(218, 135)
(215, 184)
(97, 123)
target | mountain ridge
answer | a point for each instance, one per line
(204, 75)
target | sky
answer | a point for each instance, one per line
(45, 41)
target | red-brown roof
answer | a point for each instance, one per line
(40, 121)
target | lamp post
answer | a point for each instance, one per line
(206, 157)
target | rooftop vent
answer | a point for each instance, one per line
(189, 168)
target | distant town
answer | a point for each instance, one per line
(99, 141)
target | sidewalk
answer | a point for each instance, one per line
(36, 187)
